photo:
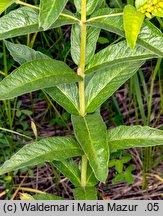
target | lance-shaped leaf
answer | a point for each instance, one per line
(50, 11)
(45, 150)
(133, 21)
(70, 170)
(35, 75)
(90, 132)
(85, 193)
(105, 82)
(124, 137)
(107, 19)
(25, 21)
(4, 4)
(118, 53)
(23, 54)
(91, 179)
(150, 37)
(91, 5)
(65, 95)
(92, 37)
(46, 196)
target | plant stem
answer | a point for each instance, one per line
(81, 72)
(69, 16)
(36, 7)
(104, 16)
(14, 132)
(151, 89)
(26, 4)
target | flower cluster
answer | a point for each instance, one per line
(151, 7)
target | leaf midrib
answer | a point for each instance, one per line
(34, 80)
(136, 138)
(91, 141)
(73, 173)
(76, 105)
(90, 99)
(43, 155)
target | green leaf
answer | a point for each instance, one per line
(116, 3)
(66, 95)
(70, 170)
(50, 11)
(25, 21)
(35, 75)
(133, 21)
(91, 5)
(139, 3)
(91, 179)
(90, 132)
(117, 53)
(87, 193)
(105, 19)
(45, 150)
(124, 137)
(4, 4)
(150, 37)
(105, 82)
(47, 197)
(23, 54)
(92, 37)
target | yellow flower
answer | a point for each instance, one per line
(152, 7)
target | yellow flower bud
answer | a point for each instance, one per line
(154, 2)
(160, 4)
(150, 9)
(148, 15)
(145, 6)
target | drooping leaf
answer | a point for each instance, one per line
(23, 54)
(47, 197)
(50, 11)
(91, 5)
(150, 37)
(65, 95)
(105, 82)
(34, 75)
(24, 20)
(124, 137)
(117, 53)
(45, 150)
(92, 37)
(133, 21)
(87, 193)
(4, 4)
(90, 132)
(70, 170)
